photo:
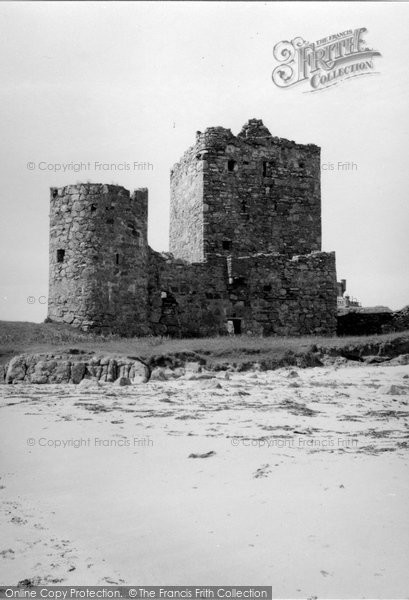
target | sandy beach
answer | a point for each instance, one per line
(295, 478)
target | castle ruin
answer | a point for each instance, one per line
(245, 246)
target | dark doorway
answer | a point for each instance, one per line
(235, 326)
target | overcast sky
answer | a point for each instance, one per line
(133, 82)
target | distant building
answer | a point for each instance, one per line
(345, 302)
(355, 319)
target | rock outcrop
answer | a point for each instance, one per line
(75, 368)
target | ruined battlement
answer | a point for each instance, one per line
(245, 246)
(253, 132)
(245, 194)
(98, 202)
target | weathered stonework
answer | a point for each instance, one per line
(245, 194)
(98, 258)
(276, 295)
(245, 241)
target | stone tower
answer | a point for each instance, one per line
(98, 258)
(245, 194)
(245, 233)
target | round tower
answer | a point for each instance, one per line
(98, 258)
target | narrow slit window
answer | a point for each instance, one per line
(264, 169)
(60, 255)
(117, 259)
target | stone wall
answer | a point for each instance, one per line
(186, 209)
(98, 258)
(187, 300)
(271, 294)
(254, 193)
(364, 323)
(262, 294)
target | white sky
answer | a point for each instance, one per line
(115, 82)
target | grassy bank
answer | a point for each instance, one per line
(23, 337)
